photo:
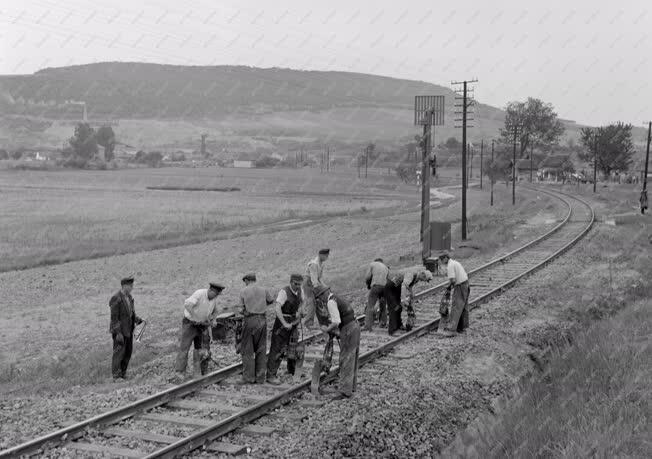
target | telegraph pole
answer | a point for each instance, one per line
(531, 161)
(366, 161)
(466, 103)
(471, 151)
(595, 161)
(514, 167)
(491, 178)
(328, 159)
(647, 154)
(481, 158)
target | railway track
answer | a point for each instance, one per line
(198, 413)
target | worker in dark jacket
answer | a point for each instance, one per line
(289, 310)
(123, 322)
(342, 324)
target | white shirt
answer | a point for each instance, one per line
(199, 308)
(456, 272)
(282, 297)
(314, 272)
(333, 311)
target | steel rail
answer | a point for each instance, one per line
(161, 398)
(219, 429)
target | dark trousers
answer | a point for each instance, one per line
(376, 295)
(254, 348)
(277, 348)
(458, 318)
(394, 308)
(121, 356)
(195, 334)
(349, 348)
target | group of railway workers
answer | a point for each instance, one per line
(296, 306)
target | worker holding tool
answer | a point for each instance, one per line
(342, 323)
(376, 279)
(123, 322)
(399, 295)
(199, 313)
(458, 317)
(285, 331)
(312, 280)
(254, 300)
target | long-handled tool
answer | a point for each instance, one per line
(142, 330)
(323, 364)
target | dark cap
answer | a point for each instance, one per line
(296, 277)
(444, 254)
(379, 259)
(216, 286)
(127, 280)
(324, 251)
(249, 277)
(320, 290)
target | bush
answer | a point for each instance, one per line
(4, 154)
(407, 173)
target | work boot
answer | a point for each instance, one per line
(340, 396)
(447, 334)
(274, 381)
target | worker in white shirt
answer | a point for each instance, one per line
(342, 323)
(200, 310)
(458, 318)
(312, 280)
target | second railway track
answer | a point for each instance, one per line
(201, 411)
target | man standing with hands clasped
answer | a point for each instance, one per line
(123, 322)
(458, 317)
(289, 311)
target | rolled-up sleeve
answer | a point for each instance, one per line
(191, 301)
(313, 269)
(333, 312)
(282, 297)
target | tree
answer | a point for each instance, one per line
(106, 138)
(4, 154)
(267, 161)
(370, 149)
(537, 121)
(17, 154)
(83, 143)
(613, 145)
(452, 143)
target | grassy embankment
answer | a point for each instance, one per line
(594, 398)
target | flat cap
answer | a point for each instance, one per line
(127, 280)
(320, 290)
(216, 286)
(296, 277)
(379, 259)
(249, 276)
(324, 251)
(443, 254)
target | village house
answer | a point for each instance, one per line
(525, 167)
(555, 168)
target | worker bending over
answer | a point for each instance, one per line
(313, 279)
(199, 313)
(458, 317)
(399, 295)
(376, 279)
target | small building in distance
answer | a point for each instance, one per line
(526, 166)
(244, 163)
(555, 167)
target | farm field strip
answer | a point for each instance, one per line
(496, 275)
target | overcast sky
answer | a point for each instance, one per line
(591, 61)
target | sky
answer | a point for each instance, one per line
(591, 60)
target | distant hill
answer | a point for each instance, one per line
(241, 108)
(140, 90)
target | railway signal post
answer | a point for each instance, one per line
(428, 112)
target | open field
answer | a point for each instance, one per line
(56, 216)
